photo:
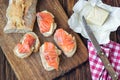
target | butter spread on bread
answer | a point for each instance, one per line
(97, 16)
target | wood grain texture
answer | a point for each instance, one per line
(6, 73)
(32, 66)
(2, 68)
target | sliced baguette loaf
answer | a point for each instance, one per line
(21, 15)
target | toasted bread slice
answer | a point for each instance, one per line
(33, 48)
(46, 23)
(43, 59)
(66, 42)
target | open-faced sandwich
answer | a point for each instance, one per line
(46, 23)
(28, 44)
(65, 41)
(49, 54)
(20, 15)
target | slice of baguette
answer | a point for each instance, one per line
(53, 25)
(71, 52)
(34, 48)
(21, 15)
(46, 66)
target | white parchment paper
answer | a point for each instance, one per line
(102, 33)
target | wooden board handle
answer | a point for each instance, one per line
(108, 66)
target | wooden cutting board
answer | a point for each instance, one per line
(31, 67)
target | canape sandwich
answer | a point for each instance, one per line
(65, 41)
(28, 44)
(46, 23)
(49, 54)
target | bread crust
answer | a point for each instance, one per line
(25, 21)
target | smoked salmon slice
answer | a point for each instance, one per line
(29, 39)
(27, 44)
(23, 48)
(65, 41)
(50, 54)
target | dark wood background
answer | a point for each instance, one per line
(82, 72)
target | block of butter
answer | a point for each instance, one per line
(97, 16)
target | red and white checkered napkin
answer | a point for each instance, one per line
(98, 71)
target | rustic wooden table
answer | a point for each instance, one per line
(82, 72)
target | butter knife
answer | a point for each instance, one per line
(100, 53)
